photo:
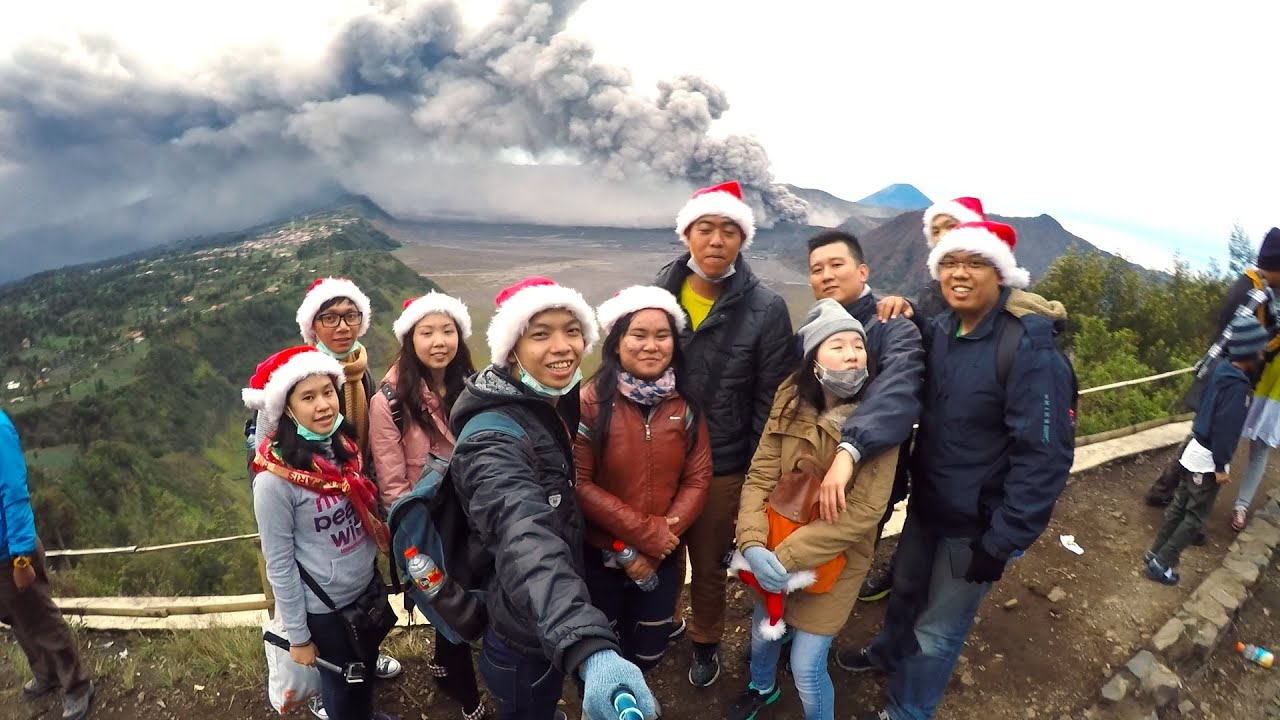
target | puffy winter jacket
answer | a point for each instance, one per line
(655, 465)
(399, 457)
(746, 339)
(519, 497)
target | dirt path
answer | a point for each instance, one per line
(1039, 659)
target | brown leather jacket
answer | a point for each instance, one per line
(650, 471)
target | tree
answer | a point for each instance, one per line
(1241, 251)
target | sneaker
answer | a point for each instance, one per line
(36, 688)
(76, 707)
(1239, 518)
(316, 706)
(480, 712)
(856, 661)
(752, 701)
(1148, 556)
(877, 585)
(875, 715)
(677, 631)
(706, 665)
(387, 667)
(1161, 573)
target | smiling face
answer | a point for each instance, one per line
(550, 350)
(435, 341)
(313, 403)
(843, 351)
(835, 273)
(714, 242)
(342, 335)
(646, 348)
(970, 283)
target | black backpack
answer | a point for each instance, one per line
(1010, 333)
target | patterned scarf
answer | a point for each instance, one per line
(647, 392)
(329, 479)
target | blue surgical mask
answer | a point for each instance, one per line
(308, 434)
(548, 392)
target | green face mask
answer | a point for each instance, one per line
(354, 347)
(548, 392)
(308, 434)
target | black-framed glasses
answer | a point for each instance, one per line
(975, 265)
(351, 319)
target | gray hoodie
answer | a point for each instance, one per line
(325, 534)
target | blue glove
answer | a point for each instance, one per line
(765, 566)
(603, 674)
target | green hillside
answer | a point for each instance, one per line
(124, 381)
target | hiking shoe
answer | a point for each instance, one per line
(706, 664)
(76, 707)
(316, 706)
(877, 585)
(1161, 573)
(35, 688)
(856, 660)
(677, 631)
(387, 667)
(752, 701)
(1239, 518)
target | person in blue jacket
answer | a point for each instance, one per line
(25, 601)
(989, 462)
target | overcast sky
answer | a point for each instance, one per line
(1145, 127)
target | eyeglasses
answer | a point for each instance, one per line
(351, 319)
(969, 264)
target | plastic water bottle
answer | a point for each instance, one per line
(624, 703)
(424, 572)
(1256, 655)
(625, 555)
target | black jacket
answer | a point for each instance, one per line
(746, 339)
(891, 403)
(1223, 409)
(523, 510)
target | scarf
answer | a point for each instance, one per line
(647, 392)
(355, 406)
(329, 479)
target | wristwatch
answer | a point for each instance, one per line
(22, 561)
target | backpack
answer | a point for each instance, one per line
(1010, 333)
(432, 518)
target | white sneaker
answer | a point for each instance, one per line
(316, 706)
(387, 667)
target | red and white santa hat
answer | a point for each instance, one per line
(635, 299)
(963, 209)
(433, 302)
(518, 304)
(723, 200)
(992, 240)
(322, 291)
(269, 387)
(773, 627)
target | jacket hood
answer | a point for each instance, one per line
(673, 274)
(1022, 303)
(493, 387)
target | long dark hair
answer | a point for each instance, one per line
(298, 452)
(412, 374)
(605, 380)
(809, 388)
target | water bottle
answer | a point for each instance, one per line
(1256, 655)
(424, 572)
(625, 704)
(625, 555)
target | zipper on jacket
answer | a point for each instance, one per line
(647, 435)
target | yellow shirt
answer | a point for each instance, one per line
(697, 306)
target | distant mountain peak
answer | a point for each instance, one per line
(900, 196)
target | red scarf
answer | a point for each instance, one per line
(329, 479)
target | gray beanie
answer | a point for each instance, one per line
(826, 318)
(1247, 337)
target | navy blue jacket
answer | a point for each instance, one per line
(1223, 408)
(990, 461)
(891, 403)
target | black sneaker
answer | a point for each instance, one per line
(856, 660)
(877, 585)
(1161, 573)
(752, 701)
(706, 664)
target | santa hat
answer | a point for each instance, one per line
(723, 200)
(772, 627)
(433, 302)
(992, 240)
(518, 304)
(634, 299)
(322, 291)
(269, 387)
(963, 209)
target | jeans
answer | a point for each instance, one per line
(1185, 517)
(1258, 452)
(641, 620)
(342, 700)
(524, 687)
(929, 616)
(808, 667)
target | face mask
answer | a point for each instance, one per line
(308, 434)
(844, 384)
(548, 392)
(693, 265)
(354, 347)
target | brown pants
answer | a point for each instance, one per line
(709, 538)
(40, 630)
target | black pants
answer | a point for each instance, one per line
(1192, 502)
(641, 620)
(343, 701)
(1161, 492)
(459, 678)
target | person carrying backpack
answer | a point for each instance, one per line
(783, 529)
(318, 520)
(409, 420)
(517, 490)
(644, 467)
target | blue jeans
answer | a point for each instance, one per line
(808, 667)
(929, 616)
(1258, 452)
(524, 687)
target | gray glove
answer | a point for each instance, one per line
(604, 673)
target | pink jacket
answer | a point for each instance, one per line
(399, 459)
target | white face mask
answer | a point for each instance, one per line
(546, 391)
(844, 384)
(697, 270)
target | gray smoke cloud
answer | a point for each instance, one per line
(514, 121)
